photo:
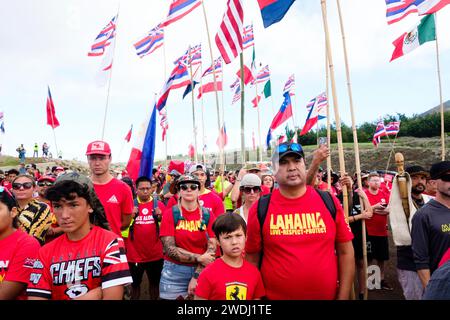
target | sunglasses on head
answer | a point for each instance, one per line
(445, 177)
(193, 187)
(45, 183)
(25, 185)
(292, 146)
(249, 189)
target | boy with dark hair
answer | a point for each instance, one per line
(230, 277)
(87, 262)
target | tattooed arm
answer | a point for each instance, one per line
(184, 256)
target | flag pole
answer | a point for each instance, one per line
(241, 58)
(356, 146)
(203, 118)
(336, 108)
(440, 92)
(327, 76)
(193, 109)
(215, 82)
(54, 134)
(167, 118)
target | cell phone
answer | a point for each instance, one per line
(323, 140)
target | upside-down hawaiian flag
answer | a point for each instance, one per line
(128, 136)
(273, 11)
(283, 114)
(142, 154)
(52, 121)
(316, 111)
(180, 8)
(178, 78)
(153, 40)
(396, 10)
(380, 131)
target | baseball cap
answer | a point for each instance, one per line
(286, 148)
(250, 180)
(252, 166)
(438, 169)
(98, 147)
(174, 173)
(197, 167)
(59, 168)
(46, 178)
(188, 178)
(413, 170)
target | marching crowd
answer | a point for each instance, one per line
(275, 231)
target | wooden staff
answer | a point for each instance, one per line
(193, 109)
(440, 93)
(402, 181)
(328, 123)
(355, 144)
(336, 108)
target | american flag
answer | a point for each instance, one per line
(103, 39)
(192, 56)
(262, 76)
(248, 39)
(153, 40)
(163, 123)
(180, 8)
(217, 68)
(396, 10)
(229, 36)
(290, 85)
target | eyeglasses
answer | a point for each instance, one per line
(45, 184)
(193, 187)
(25, 185)
(445, 177)
(248, 190)
(292, 146)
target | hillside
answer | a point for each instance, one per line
(437, 109)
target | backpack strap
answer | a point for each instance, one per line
(261, 211)
(155, 216)
(328, 201)
(131, 227)
(176, 215)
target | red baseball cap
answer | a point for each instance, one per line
(46, 178)
(98, 147)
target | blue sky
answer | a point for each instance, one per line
(46, 43)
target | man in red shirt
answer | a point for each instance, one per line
(114, 194)
(307, 254)
(377, 229)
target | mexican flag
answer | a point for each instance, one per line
(425, 31)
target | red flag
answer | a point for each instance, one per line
(191, 151)
(128, 136)
(209, 87)
(256, 101)
(51, 116)
(222, 140)
(248, 76)
(229, 36)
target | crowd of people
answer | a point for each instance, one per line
(22, 151)
(273, 231)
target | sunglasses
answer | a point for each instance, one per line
(25, 185)
(292, 146)
(248, 190)
(445, 177)
(45, 183)
(193, 187)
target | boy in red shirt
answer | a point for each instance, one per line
(230, 277)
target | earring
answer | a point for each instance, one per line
(90, 210)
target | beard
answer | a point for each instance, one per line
(418, 189)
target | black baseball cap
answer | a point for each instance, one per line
(414, 170)
(438, 169)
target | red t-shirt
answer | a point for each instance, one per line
(209, 200)
(68, 269)
(117, 199)
(445, 258)
(220, 281)
(264, 190)
(18, 252)
(146, 245)
(187, 234)
(299, 260)
(377, 225)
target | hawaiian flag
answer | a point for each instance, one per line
(262, 76)
(248, 38)
(283, 114)
(396, 10)
(153, 40)
(290, 85)
(222, 140)
(180, 8)
(316, 111)
(236, 87)
(392, 128)
(178, 78)
(273, 11)
(380, 131)
(142, 153)
(128, 136)
(215, 68)
(209, 86)
(51, 116)
(104, 39)
(229, 36)
(163, 123)
(192, 56)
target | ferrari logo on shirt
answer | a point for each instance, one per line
(236, 291)
(297, 224)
